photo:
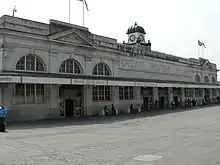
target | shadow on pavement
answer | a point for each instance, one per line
(51, 123)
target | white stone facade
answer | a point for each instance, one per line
(43, 49)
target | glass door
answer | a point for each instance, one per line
(78, 107)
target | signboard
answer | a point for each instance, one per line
(164, 85)
(10, 79)
(78, 81)
(101, 82)
(121, 83)
(43, 80)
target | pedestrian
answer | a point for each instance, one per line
(3, 113)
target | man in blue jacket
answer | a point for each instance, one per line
(3, 113)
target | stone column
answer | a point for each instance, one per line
(193, 93)
(53, 101)
(182, 96)
(203, 93)
(155, 96)
(217, 92)
(210, 95)
(87, 100)
(115, 97)
(137, 95)
(170, 96)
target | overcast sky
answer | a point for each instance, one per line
(173, 26)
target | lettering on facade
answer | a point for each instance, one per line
(5, 79)
(132, 64)
(100, 82)
(78, 81)
(160, 68)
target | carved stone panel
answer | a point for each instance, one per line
(73, 38)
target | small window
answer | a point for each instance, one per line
(126, 93)
(29, 94)
(102, 93)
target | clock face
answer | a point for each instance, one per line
(132, 38)
(141, 38)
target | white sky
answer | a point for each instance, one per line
(173, 26)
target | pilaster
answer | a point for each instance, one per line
(182, 96)
(210, 95)
(155, 96)
(115, 95)
(170, 96)
(193, 93)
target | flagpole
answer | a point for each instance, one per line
(202, 53)
(69, 11)
(198, 52)
(83, 12)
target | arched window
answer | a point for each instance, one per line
(206, 79)
(30, 63)
(213, 80)
(101, 69)
(102, 93)
(197, 78)
(70, 66)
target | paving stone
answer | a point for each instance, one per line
(189, 137)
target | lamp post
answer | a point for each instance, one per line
(14, 11)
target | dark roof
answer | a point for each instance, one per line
(136, 28)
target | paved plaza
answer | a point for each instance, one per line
(184, 138)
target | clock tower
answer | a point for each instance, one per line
(136, 34)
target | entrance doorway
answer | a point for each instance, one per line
(176, 101)
(146, 103)
(162, 102)
(69, 106)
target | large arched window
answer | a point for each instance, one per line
(101, 69)
(102, 93)
(213, 80)
(197, 78)
(70, 66)
(206, 79)
(30, 63)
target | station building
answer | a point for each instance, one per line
(60, 70)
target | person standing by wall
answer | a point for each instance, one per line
(3, 113)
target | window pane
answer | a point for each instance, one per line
(121, 94)
(76, 68)
(95, 93)
(100, 69)
(39, 93)
(131, 93)
(19, 94)
(126, 93)
(107, 71)
(39, 65)
(21, 64)
(107, 93)
(95, 70)
(101, 93)
(69, 65)
(214, 92)
(62, 67)
(30, 93)
(30, 62)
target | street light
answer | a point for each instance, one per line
(14, 11)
